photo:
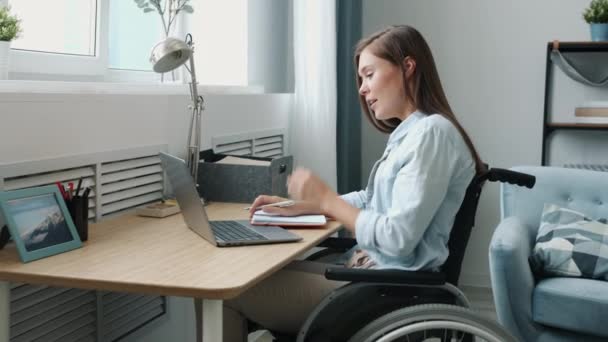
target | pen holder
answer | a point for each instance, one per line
(78, 207)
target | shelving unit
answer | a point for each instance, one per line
(550, 127)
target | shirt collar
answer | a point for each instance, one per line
(400, 132)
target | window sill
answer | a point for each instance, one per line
(59, 87)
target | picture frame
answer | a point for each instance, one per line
(39, 222)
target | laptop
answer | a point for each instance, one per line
(218, 233)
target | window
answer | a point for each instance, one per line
(133, 33)
(110, 40)
(74, 34)
(219, 31)
(60, 37)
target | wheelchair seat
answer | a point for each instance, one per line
(380, 296)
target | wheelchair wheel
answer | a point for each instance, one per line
(430, 323)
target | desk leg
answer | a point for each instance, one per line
(210, 327)
(5, 310)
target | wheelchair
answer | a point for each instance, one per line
(395, 305)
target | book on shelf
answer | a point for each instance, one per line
(262, 218)
(591, 112)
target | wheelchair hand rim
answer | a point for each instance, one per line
(438, 325)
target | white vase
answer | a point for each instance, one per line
(5, 48)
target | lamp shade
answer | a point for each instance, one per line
(169, 54)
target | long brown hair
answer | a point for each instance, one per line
(423, 89)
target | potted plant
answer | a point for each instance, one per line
(10, 28)
(596, 15)
(168, 10)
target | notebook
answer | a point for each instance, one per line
(262, 218)
(218, 233)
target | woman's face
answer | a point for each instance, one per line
(382, 87)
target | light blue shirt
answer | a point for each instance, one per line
(413, 194)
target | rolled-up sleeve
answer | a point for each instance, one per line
(356, 198)
(419, 190)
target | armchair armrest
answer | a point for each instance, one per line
(388, 276)
(512, 279)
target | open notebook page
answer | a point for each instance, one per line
(261, 217)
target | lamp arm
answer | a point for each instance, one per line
(193, 82)
(194, 136)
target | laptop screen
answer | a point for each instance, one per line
(187, 197)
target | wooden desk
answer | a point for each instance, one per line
(158, 256)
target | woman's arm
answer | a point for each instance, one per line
(304, 185)
(342, 211)
(430, 161)
(357, 199)
(344, 208)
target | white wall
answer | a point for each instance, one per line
(491, 59)
(34, 126)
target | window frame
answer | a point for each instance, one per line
(54, 67)
(37, 62)
(62, 67)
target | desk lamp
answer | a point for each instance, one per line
(166, 56)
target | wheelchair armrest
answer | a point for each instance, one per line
(388, 276)
(338, 243)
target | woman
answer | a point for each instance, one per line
(404, 216)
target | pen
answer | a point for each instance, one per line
(85, 194)
(62, 190)
(71, 190)
(283, 204)
(78, 186)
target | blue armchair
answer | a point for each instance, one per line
(552, 309)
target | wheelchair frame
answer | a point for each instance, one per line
(401, 293)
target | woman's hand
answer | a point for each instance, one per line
(263, 200)
(299, 208)
(305, 186)
(312, 196)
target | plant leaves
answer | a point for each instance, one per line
(156, 4)
(188, 9)
(597, 12)
(148, 10)
(10, 26)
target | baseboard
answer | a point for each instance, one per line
(475, 279)
(260, 336)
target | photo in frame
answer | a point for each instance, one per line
(39, 222)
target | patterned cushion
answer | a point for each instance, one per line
(570, 244)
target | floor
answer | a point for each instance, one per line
(481, 300)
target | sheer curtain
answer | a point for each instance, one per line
(313, 123)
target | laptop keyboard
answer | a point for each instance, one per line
(231, 231)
